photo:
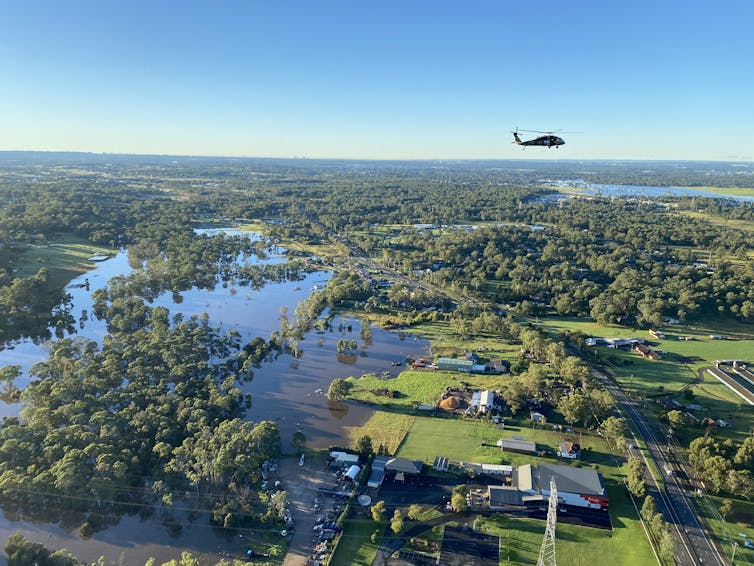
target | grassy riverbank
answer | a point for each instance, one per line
(65, 258)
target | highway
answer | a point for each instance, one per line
(693, 545)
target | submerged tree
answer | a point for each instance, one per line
(339, 389)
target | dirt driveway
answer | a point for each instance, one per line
(302, 485)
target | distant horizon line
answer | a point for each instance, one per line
(356, 159)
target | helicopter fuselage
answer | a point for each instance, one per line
(545, 141)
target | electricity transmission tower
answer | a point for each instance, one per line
(547, 550)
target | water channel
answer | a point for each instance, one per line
(288, 390)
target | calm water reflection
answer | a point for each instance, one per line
(288, 390)
(292, 391)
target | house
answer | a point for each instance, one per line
(400, 468)
(537, 417)
(483, 400)
(569, 450)
(497, 366)
(517, 445)
(647, 352)
(657, 334)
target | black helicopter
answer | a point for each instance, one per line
(549, 140)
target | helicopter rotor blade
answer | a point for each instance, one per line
(542, 131)
(550, 132)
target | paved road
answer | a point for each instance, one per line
(693, 545)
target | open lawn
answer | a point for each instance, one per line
(729, 327)
(732, 191)
(417, 386)
(647, 377)
(521, 538)
(557, 325)
(386, 429)
(461, 441)
(356, 546)
(719, 221)
(739, 522)
(65, 258)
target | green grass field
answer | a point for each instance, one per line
(719, 221)
(422, 386)
(521, 538)
(682, 367)
(732, 191)
(356, 546)
(461, 440)
(384, 428)
(65, 258)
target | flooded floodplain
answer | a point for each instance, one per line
(289, 390)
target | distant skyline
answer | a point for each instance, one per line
(385, 80)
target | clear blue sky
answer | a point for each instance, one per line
(385, 79)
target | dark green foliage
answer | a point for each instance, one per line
(22, 552)
(339, 389)
(364, 447)
(635, 477)
(148, 405)
(725, 466)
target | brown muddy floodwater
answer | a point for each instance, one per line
(292, 390)
(288, 390)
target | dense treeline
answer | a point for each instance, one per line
(23, 552)
(150, 414)
(612, 260)
(725, 466)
